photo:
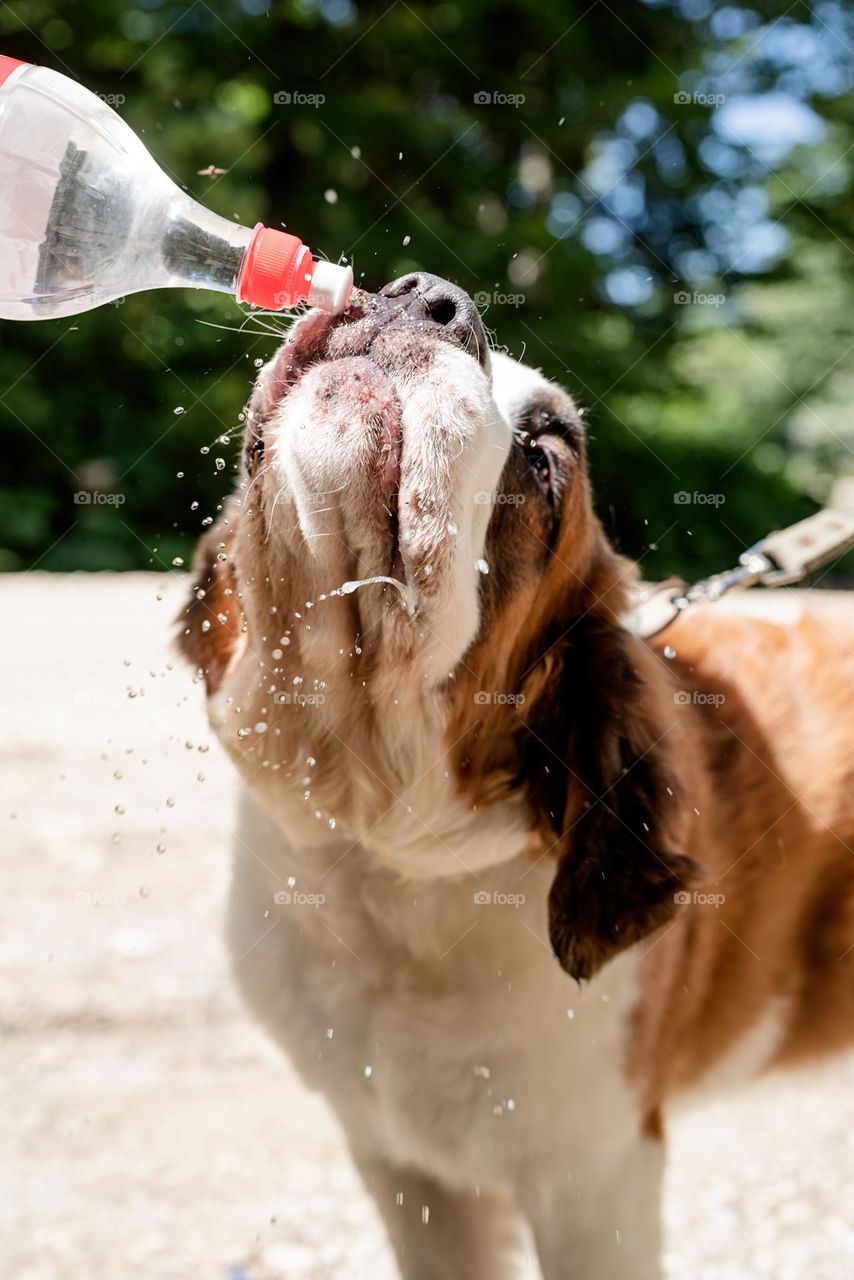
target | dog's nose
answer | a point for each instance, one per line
(424, 297)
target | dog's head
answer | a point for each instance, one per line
(409, 621)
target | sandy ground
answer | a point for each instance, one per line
(149, 1129)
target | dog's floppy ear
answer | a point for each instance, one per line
(212, 623)
(619, 817)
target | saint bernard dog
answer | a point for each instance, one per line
(508, 879)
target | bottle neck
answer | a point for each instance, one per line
(202, 248)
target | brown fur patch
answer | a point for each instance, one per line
(212, 622)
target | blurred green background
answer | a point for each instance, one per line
(652, 201)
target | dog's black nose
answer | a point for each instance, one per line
(423, 297)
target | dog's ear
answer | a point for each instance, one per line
(212, 623)
(617, 817)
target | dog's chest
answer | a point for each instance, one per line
(434, 1017)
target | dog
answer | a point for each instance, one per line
(461, 767)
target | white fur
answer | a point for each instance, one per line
(449, 1042)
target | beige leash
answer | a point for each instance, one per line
(786, 556)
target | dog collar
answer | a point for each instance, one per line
(784, 557)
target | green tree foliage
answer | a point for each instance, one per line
(652, 201)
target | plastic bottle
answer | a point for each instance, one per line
(87, 216)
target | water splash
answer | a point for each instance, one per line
(347, 588)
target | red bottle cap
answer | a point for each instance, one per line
(276, 270)
(8, 65)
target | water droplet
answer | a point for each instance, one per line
(669, 652)
(178, 409)
(481, 566)
(178, 561)
(219, 463)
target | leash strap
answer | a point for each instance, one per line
(785, 556)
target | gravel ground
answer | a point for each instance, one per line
(149, 1128)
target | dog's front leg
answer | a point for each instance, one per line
(443, 1234)
(595, 1224)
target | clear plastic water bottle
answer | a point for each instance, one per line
(87, 216)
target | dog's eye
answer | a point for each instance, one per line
(541, 464)
(567, 428)
(255, 456)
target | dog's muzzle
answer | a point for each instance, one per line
(430, 303)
